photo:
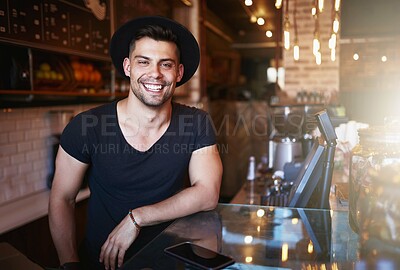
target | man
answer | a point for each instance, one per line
(136, 151)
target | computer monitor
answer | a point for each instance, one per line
(312, 185)
(328, 132)
(308, 177)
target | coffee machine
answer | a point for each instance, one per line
(285, 142)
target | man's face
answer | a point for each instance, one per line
(154, 70)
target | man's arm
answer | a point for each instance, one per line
(66, 184)
(205, 173)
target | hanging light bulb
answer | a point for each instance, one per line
(320, 5)
(296, 51)
(268, 33)
(316, 44)
(278, 4)
(296, 47)
(336, 24)
(248, 3)
(260, 21)
(333, 55)
(286, 39)
(337, 5)
(286, 34)
(332, 41)
(318, 58)
(313, 11)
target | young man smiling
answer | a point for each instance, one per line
(134, 193)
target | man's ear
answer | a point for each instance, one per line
(181, 69)
(127, 67)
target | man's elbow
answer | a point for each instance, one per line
(211, 201)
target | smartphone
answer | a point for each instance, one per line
(198, 256)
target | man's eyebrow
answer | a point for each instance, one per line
(148, 58)
(141, 56)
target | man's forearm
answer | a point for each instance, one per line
(63, 230)
(186, 202)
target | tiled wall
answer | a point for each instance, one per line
(25, 147)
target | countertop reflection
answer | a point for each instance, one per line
(260, 237)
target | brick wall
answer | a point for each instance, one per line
(306, 74)
(25, 142)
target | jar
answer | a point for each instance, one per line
(379, 215)
(374, 185)
(378, 148)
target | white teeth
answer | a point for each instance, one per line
(153, 87)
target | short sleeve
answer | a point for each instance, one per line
(74, 139)
(206, 131)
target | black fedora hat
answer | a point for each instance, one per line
(190, 52)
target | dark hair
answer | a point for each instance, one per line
(155, 32)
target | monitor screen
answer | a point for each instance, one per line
(308, 176)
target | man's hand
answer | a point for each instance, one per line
(118, 241)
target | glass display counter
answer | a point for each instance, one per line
(260, 237)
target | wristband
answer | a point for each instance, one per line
(133, 220)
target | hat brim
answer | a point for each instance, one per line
(190, 52)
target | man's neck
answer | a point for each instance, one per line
(146, 116)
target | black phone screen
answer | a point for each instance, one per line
(199, 256)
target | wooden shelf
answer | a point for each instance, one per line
(61, 93)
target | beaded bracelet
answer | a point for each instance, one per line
(133, 220)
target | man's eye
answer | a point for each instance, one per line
(167, 65)
(143, 62)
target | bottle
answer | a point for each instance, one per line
(251, 176)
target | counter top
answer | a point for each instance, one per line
(263, 237)
(30, 208)
(339, 177)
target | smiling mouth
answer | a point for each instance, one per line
(153, 87)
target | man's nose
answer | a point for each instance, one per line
(155, 71)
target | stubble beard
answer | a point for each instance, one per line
(147, 100)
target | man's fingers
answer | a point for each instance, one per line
(112, 256)
(121, 255)
(106, 254)
(103, 250)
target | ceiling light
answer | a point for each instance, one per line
(268, 33)
(260, 21)
(335, 24)
(320, 5)
(356, 56)
(296, 51)
(260, 213)
(286, 33)
(384, 58)
(253, 19)
(248, 239)
(248, 2)
(278, 4)
(332, 41)
(337, 5)
(316, 45)
(333, 55)
(313, 11)
(318, 58)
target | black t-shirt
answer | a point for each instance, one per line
(123, 178)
